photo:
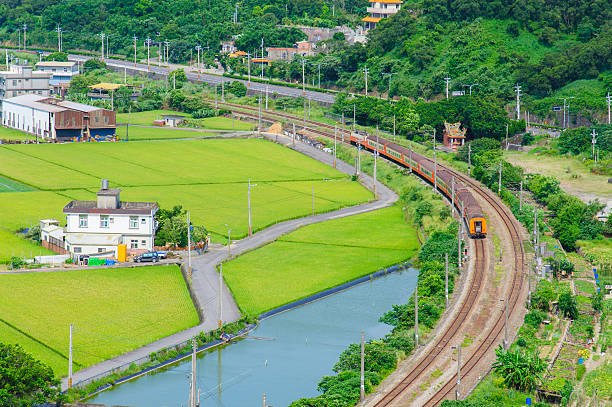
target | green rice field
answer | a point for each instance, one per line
(147, 118)
(12, 134)
(207, 177)
(112, 311)
(318, 257)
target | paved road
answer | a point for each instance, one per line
(205, 279)
(327, 98)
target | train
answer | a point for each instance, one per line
(425, 167)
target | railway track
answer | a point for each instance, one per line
(495, 334)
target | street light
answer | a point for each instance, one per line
(505, 301)
(390, 75)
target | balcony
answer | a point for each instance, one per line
(384, 11)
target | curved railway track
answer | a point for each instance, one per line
(495, 334)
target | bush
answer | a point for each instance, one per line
(94, 63)
(204, 113)
(527, 139)
(534, 318)
(238, 89)
(567, 305)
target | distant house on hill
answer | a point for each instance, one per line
(380, 9)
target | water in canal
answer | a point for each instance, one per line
(306, 344)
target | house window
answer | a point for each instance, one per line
(101, 250)
(82, 221)
(133, 222)
(103, 221)
(133, 244)
(77, 249)
(143, 220)
(144, 242)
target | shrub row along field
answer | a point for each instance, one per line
(207, 177)
(114, 312)
(318, 257)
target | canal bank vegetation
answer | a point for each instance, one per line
(428, 212)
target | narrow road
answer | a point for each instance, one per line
(205, 279)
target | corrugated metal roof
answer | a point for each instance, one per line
(33, 101)
(78, 106)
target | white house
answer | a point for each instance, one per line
(61, 72)
(100, 226)
(29, 114)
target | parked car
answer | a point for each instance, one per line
(147, 257)
(161, 255)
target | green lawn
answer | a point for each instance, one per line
(146, 118)
(13, 245)
(12, 134)
(207, 177)
(318, 257)
(113, 311)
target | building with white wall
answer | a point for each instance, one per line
(99, 226)
(56, 119)
(61, 73)
(380, 9)
(22, 80)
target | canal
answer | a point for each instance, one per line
(285, 357)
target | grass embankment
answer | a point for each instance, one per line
(208, 177)
(113, 311)
(147, 118)
(318, 257)
(12, 134)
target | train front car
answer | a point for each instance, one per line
(474, 218)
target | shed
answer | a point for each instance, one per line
(173, 120)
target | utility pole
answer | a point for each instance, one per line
(303, 77)
(266, 97)
(506, 136)
(410, 155)
(416, 316)
(375, 159)
(259, 126)
(521, 196)
(517, 89)
(262, 57)
(354, 122)
(365, 71)
(189, 243)
(435, 177)
(499, 183)
(102, 35)
(229, 241)
(608, 99)
(249, 193)
(135, 40)
(390, 74)
(59, 38)
(192, 393)
(453, 194)
(469, 159)
(25, 36)
(335, 137)
(70, 357)
(447, 80)
(593, 142)
(264, 403)
(249, 67)
(394, 128)
(220, 295)
(506, 326)
(446, 280)
(223, 91)
(343, 127)
(362, 375)
(148, 42)
(458, 392)
(459, 240)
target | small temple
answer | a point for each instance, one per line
(454, 135)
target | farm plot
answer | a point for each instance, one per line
(207, 177)
(112, 311)
(318, 257)
(13, 245)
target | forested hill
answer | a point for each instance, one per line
(544, 45)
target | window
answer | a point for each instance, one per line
(133, 222)
(101, 249)
(82, 221)
(143, 242)
(103, 221)
(77, 249)
(133, 244)
(143, 220)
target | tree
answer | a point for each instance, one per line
(57, 56)
(520, 369)
(25, 381)
(237, 89)
(567, 305)
(94, 63)
(177, 77)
